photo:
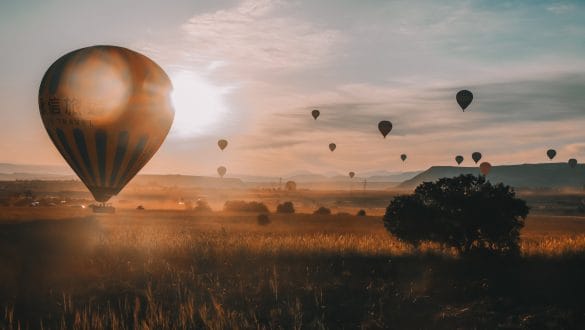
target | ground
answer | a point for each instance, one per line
(64, 267)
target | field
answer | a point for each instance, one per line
(166, 269)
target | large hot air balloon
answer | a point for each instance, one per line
(573, 162)
(107, 109)
(459, 159)
(464, 98)
(403, 157)
(351, 175)
(551, 153)
(476, 156)
(385, 127)
(485, 168)
(332, 146)
(315, 113)
(221, 171)
(222, 144)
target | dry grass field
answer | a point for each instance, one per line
(66, 268)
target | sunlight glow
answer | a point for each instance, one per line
(199, 105)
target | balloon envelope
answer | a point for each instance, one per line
(222, 144)
(573, 162)
(476, 156)
(384, 127)
(290, 186)
(221, 171)
(351, 174)
(403, 157)
(485, 168)
(315, 113)
(107, 109)
(332, 146)
(459, 159)
(464, 98)
(551, 153)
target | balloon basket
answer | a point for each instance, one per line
(104, 208)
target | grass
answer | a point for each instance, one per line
(169, 270)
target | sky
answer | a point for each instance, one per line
(251, 71)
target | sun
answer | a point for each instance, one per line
(199, 105)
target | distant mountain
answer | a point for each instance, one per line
(6, 168)
(553, 175)
(187, 181)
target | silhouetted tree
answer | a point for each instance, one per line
(361, 213)
(464, 212)
(322, 211)
(263, 219)
(202, 206)
(242, 206)
(286, 207)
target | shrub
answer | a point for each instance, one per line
(202, 206)
(322, 211)
(465, 212)
(361, 213)
(286, 207)
(263, 219)
(242, 206)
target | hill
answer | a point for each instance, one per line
(553, 175)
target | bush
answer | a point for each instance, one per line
(286, 207)
(361, 213)
(242, 206)
(263, 219)
(322, 211)
(465, 212)
(202, 206)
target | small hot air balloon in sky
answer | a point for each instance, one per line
(485, 168)
(459, 159)
(384, 127)
(573, 162)
(403, 157)
(315, 113)
(351, 175)
(221, 171)
(107, 109)
(551, 153)
(332, 146)
(476, 156)
(222, 144)
(290, 186)
(464, 98)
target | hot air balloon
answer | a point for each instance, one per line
(476, 156)
(107, 109)
(459, 159)
(222, 144)
(464, 98)
(332, 146)
(221, 171)
(485, 168)
(290, 186)
(403, 157)
(551, 153)
(315, 113)
(573, 162)
(385, 127)
(351, 174)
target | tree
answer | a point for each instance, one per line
(464, 212)
(322, 211)
(263, 219)
(286, 207)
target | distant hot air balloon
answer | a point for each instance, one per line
(464, 98)
(351, 174)
(476, 156)
(459, 159)
(222, 144)
(290, 186)
(403, 157)
(221, 171)
(485, 168)
(315, 113)
(573, 162)
(551, 153)
(332, 146)
(107, 109)
(385, 127)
